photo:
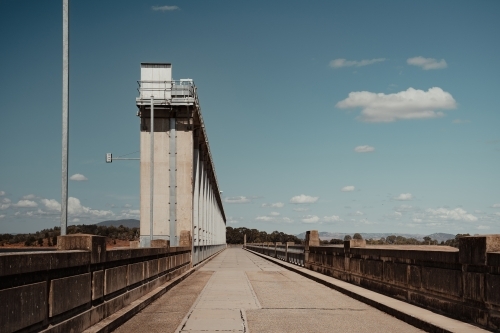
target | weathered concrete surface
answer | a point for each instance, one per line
(115, 279)
(22, 306)
(167, 312)
(68, 293)
(96, 245)
(473, 249)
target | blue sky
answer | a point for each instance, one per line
(346, 116)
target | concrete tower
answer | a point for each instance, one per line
(187, 207)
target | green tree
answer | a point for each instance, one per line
(347, 237)
(357, 236)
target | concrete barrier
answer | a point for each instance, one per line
(80, 284)
(461, 283)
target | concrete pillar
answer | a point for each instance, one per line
(196, 199)
(286, 252)
(161, 180)
(244, 241)
(92, 243)
(473, 249)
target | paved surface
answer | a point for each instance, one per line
(168, 311)
(238, 291)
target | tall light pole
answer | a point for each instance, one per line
(65, 118)
(151, 169)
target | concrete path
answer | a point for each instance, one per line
(246, 293)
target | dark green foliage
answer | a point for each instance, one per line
(121, 232)
(400, 240)
(336, 241)
(235, 236)
(357, 236)
(347, 237)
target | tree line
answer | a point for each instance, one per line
(397, 240)
(236, 235)
(48, 237)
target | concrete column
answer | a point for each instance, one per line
(161, 178)
(196, 199)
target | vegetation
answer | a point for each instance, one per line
(235, 236)
(48, 237)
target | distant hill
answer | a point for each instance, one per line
(132, 223)
(324, 235)
(441, 236)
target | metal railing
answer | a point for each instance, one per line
(167, 90)
(294, 254)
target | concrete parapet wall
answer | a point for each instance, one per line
(81, 283)
(463, 284)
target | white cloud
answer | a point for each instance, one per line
(25, 204)
(2, 216)
(233, 220)
(301, 209)
(483, 227)
(403, 208)
(75, 220)
(2, 193)
(303, 199)
(339, 63)
(29, 197)
(130, 214)
(76, 208)
(457, 214)
(78, 177)
(274, 214)
(404, 197)
(404, 105)
(127, 206)
(310, 219)
(4, 206)
(398, 214)
(366, 221)
(427, 63)
(264, 218)
(460, 121)
(165, 8)
(364, 149)
(274, 219)
(274, 205)
(51, 204)
(237, 200)
(333, 218)
(497, 205)
(349, 188)
(358, 213)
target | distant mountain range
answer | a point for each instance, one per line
(132, 223)
(324, 235)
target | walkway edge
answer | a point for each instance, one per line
(411, 314)
(121, 316)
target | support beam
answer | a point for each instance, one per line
(174, 241)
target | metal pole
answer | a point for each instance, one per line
(65, 119)
(174, 241)
(151, 169)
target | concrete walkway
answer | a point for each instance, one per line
(246, 293)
